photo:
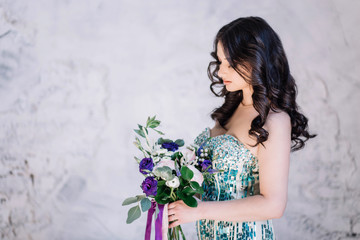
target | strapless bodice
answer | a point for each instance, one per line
(241, 173)
(239, 179)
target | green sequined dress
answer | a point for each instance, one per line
(239, 180)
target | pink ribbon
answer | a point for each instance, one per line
(158, 222)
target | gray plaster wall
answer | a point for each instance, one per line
(77, 76)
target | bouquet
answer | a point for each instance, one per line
(170, 175)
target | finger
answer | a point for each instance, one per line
(171, 205)
(171, 212)
(174, 224)
(172, 218)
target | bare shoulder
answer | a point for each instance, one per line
(217, 129)
(278, 120)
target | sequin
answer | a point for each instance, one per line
(239, 180)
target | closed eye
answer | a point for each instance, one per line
(219, 63)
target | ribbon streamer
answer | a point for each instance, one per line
(158, 222)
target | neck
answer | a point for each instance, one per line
(247, 99)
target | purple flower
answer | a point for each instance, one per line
(171, 146)
(205, 164)
(146, 163)
(149, 186)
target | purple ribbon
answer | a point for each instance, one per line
(158, 221)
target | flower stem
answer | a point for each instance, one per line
(147, 139)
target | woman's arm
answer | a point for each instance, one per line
(273, 178)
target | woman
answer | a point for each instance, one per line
(253, 135)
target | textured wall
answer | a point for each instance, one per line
(77, 76)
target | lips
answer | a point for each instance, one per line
(225, 81)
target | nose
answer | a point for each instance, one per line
(221, 72)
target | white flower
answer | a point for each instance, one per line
(169, 153)
(156, 159)
(198, 177)
(161, 151)
(174, 183)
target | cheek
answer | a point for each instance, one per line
(238, 80)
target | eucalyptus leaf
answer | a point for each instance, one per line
(160, 140)
(133, 214)
(139, 197)
(145, 204)
(130, 200)
(164, 172)
(180, 142)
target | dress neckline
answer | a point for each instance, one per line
(235, 138)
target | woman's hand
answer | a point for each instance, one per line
(181, 213)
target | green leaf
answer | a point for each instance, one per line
(160, 188)
(164, 172)
(159, 132)
(190, 201)
(130, 200)
(180, 142)
(189, 191)
(145, 204)
(162, 198)
(150, 121)
(183, 182)
(197, 187)
(186, 173)
(139, 132)
(137, 159)
(180, 194)
(177, 155)
(160, 141)
(154, 124)
(139, 197)
(161, 183)
(133, 214)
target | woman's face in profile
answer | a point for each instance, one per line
(232, 80)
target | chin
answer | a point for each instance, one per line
(230, 89)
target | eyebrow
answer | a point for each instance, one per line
(219, 58)
(223, 58)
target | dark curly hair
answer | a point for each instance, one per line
(251, 41)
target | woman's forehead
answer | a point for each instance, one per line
(220, 51)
